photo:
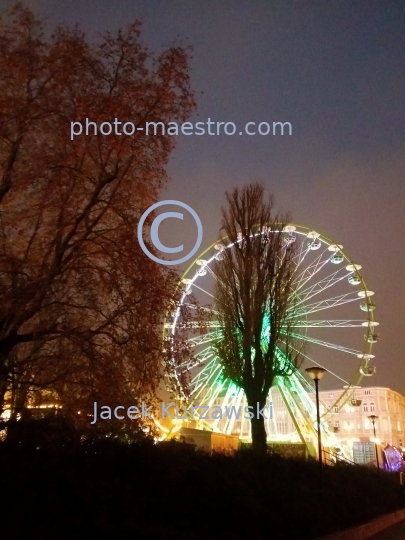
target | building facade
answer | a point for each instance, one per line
(351, 423)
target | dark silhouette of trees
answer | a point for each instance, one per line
(254, 299)
(81, 304)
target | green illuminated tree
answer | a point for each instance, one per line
(254, 299)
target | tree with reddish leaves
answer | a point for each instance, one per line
(82, 305)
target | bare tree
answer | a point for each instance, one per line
(255, 300)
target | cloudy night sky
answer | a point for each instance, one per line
(335, 71)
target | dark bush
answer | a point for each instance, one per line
(53, 432)
(142, 491)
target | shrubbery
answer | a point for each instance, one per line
(101, 489)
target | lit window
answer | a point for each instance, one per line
(282, 427)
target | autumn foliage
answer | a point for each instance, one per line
(81, 305)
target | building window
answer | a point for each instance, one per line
(365, 407)
(372, 407)
(367, 392)
(282, 427)
(336, 408)
(278, 402)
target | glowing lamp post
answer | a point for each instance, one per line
(373, 418)
(316, 373)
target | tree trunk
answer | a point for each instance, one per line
(259, 438)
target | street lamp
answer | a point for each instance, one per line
(373, 418)
(316, 373)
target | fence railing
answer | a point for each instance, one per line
(334, 459)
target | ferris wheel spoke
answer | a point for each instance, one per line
(203, 308)
(197, 361)
(208, 337)
(211, 324)
(329, 323)
(331, 279)
(324, 304)
(205, 354)
(323, 343)
(205, 378)
(314, 362)
(300, 387)
(214, 390)
(300, 257)
(308, 272)
(201, 356)
(297, 400)
(203, 290)
(207, 267)
(204, 374)
(302, 381)
(319, 287)
(193, 325)
(175, 383)
(187, 366)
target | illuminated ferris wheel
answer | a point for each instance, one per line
(333, 317)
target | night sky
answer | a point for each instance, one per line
(335, 71)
